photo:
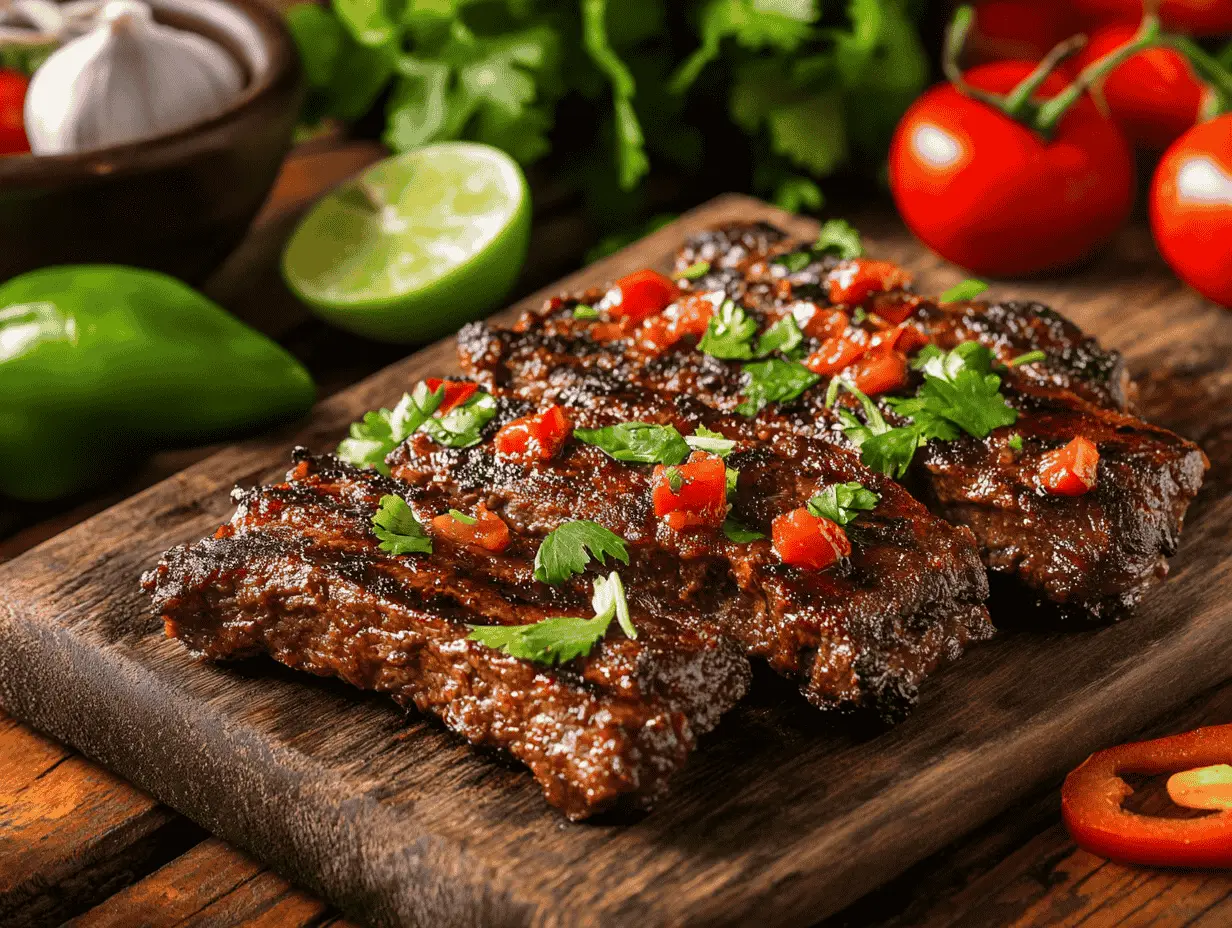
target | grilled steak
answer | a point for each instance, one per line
(861, 635)
(298, 575)
(1088, 557)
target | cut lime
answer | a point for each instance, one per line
(418, 245)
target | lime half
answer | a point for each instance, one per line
(418, 245)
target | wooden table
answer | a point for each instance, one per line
(78, 843)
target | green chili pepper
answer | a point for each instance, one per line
(100, 365)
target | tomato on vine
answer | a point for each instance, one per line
(13, 139)
(1193, 17)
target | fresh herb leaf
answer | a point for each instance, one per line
(567, 550)
(582, 311)
(783, 336)
(843, 502)
(675, 480)
(712, 442)
(398, 529)
(462, 517)
(733, 478)
(638, 442)
(838, 237)
(610, 594)
(695, 270)
(381, 431)
(739, 533)
(959, 388)
(729, 333)
(1031, 357)
(774, 381)
(883, 448)
(967, 290)
(1015, 442)
(631, 159)
(794, 262)
(462, 426)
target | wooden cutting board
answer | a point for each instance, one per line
(782, 816)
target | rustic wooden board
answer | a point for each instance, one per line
(783, 816)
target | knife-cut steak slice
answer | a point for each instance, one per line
(297, 574)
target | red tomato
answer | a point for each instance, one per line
(802, 539)
(879, 372)
(1196, 17)
(904, 338)
(1072, 470)
(894, 307)
(988, 193)
(542, 434)
(642, 294)
(13, 139)
(824, 323)
(1191, 208)
(836, 353)
(853, 282)
(691, 318)
(1154, 96)
(489, 530)
(1025, 30)
(700, 500)
(457, 392)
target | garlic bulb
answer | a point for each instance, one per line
(130, 78)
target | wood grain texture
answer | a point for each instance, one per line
(783, 815)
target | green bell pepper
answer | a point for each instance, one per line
(100, 365)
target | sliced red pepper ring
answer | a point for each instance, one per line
(802, 539)
(691, 495)
(1092, 797)
(853, 282)
(457, 392)
(1072, 470)
(487, 531)
(640, 295)
(539, 434)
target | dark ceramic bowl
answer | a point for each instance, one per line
(179, 202)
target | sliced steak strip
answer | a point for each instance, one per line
(297, 575)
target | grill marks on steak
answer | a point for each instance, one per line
(298, 575)
(1086, 557)
(861, 635)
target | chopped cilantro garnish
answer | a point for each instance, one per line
(462, 426)
(1015, 442)
(783, 336)
(729, 333)
(966, 290)
(568, 549)
(739, 533)
(842, 502)
(712, 442)
(638, 442)
(838, 237)
(382, 430)
(675, 480)
(398, 529)
(733, 478)
(959, 388)
(695, 270)
(795, 261)
(462, 517)
(582, 311)
(774, 381)
(1030, 357)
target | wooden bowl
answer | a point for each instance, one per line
(179, 202)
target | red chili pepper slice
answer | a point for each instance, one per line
(540, 434)
(802, 539)
(853, 282)
(457, 392)
(489, 530)
(642, 294)
(1092, 797)
(879, 372)
(836, 353)
(1072, 470)
(700, 497)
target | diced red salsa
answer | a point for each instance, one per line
(540, 435)
(802, 539)
(457, 392)
(693, 494)
(836, 353)
(1072, 470)
(853, 282)
(488, 531)
(640, 295)
(879, 371)
(691, 318)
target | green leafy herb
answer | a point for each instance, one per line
(959, 388)
(638, 442)
(774, 381)
(967, 290)
(842, 502)
(783, 336)
(733, 478)
(712, 442)
(398, 529)
(567, 550)
(1031, 357)
(795, 261)
(1015, 442)
(883, 448)
(675, 480)
(739, 533)
(381, 431)
(695, 270)
(729, 333)
(462, 517)
(462, 426)
(582, 311)
(838, 237)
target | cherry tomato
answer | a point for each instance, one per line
(1025, 30)
(802, 539)
(13, 139)
(836, 353)
(642, 294)
(1072, 470)
(1195, 17)
(488, 531)
(700, 496)
(542, 434)
(1154, 96)
(457, 392)
(879, 372)
(1191, 208)
(990, 194)
(853, 282)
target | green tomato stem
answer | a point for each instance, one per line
(955, 39)
(1209, 68)
(1018, 99)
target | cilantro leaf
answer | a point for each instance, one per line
(567, 550)
(959, 388)
(783, 336)
(582, 311)
(462, 426)
(694, 271)
(781, 24)
(967, 290)
(794, 261)
(739, 533)
(729, 333)
(838, 237)
(1031, 357)
(1015, 442)
(382, 430)
(883, 448)
(774, 381)
(675, 480)
(630, 141)
(398, 529)
(638, 442)
(842, 502)
(712, 442)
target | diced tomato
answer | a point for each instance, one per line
(895, 307)
(457, 392)
(489, 530)
(642, 294)
(879, 372)
(691, 317)
(853, 282)
(822, 324)
(802, 539)
(606, 331)
(905, 338)
(701, 497)
(539, 434)
(1072, 470)
(836, 353)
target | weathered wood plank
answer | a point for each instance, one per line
(781, 817)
